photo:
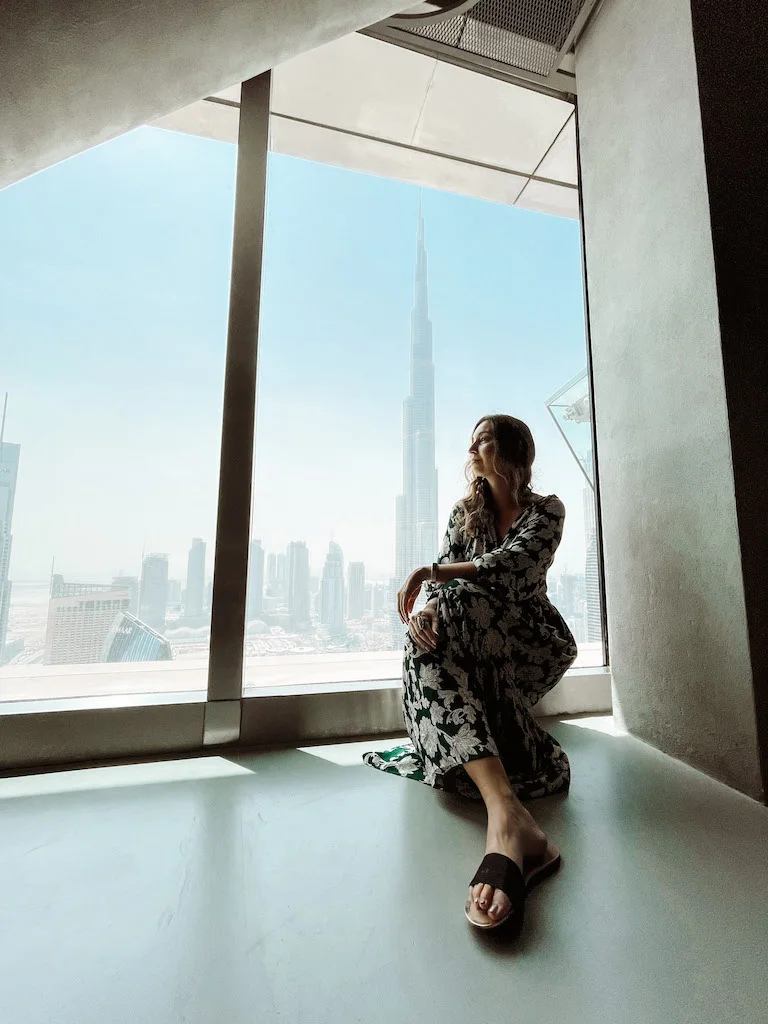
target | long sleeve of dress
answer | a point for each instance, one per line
(451, 550)
(520, 564)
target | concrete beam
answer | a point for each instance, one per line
(78, 73)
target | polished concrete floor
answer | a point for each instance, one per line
(294, 887)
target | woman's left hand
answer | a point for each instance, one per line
(407, 594)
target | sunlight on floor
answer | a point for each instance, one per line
(348, 754)
(187, 770)
(598, 723)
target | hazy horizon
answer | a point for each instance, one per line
(114, 286)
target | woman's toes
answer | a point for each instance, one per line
(485, 897)
(499, 906)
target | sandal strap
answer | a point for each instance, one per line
(502, 873)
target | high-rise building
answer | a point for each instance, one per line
(277, 575)
(131, 640)
(379, 599)
(80, 616)
(153, 597)
(355, 590)
(332, 590)
(416, 528)
(298, 584)
(397, 629)
(416, 508)
(592, 571)
(194, 596)
(571, 598)
(255, 602)
(130, 583)
(9, 466)
(175, 595)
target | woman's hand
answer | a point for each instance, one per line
(423, 626)
(407, 594)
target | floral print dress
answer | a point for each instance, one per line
(501, 646)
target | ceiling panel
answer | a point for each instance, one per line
(356, 83)
(209, 120)
(380, 109)
(387, 161)
(484, 119)
(558, 200)
(560, 162)
(232, 94)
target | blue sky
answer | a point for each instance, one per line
(114, 278)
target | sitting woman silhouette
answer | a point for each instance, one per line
(485, 648)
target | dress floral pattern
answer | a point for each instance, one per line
(501, 646)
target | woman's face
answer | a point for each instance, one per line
(482, 449)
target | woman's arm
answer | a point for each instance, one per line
(451, 550)
(521, 564)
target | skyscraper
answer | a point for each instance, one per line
(298, 584)
(153, 599)
(194, 597)
(174, 595)
(379, 599)
(356, 590)
(9, 466)
(130, 583)
(131, 640)
(416, 509)
(277, 575)
(80, 616)
(592, 568)
(416, 529)
(255, 600)
(332, 590)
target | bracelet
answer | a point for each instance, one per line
(433, 574)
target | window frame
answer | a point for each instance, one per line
(41, 733)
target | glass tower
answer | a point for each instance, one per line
(9, 466)
(416, 509)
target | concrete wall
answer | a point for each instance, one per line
(733, 112)
(80, 72)
(675, 596)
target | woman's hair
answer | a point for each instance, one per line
(513, 459)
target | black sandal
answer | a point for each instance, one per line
(501, 872)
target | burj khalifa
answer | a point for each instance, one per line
(416, 509)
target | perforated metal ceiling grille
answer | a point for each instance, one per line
(526, 34)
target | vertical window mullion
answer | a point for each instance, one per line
(228, 613)
(593, 417)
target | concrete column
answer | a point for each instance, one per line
(672, 102)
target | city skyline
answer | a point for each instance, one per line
(335, 440)
(505, 300)
(93, 622)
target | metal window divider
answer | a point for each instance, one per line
(228, 612)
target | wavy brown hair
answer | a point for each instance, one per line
(513, 460)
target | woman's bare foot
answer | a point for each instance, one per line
(513, 832)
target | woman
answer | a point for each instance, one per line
(484, 649)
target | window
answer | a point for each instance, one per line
(114, 282)
(115, 279)
(365, 278)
